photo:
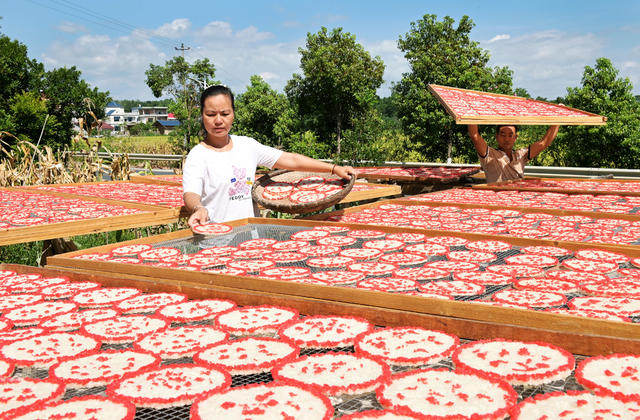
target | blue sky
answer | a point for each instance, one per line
(546, 43)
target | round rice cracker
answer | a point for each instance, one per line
(99, 407)
(616, 375)
(323, 331)
(169, 386)
(264, 401)
(255, 320)
(20, 395)
(176, 343)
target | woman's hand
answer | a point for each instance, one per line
(345, 172)
(199, 217)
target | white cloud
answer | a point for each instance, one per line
(71, 27)
(394, 61)
(501, 37)
(215, 30)
(546, 63)
(175, 29)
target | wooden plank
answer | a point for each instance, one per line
(575, 341)
(476, 107)
(150, 216)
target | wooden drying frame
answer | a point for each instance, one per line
(579, 335)
(588, 119)
(151, 216)
(413, 179)
(571, 338)
(512, 185)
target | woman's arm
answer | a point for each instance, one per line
(199, 213)
(298, 162)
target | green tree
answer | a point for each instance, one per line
(258, 110)
(338, 83)
(614, 145)
(69, 97)
(18, 73)
(183, 81)
(440, 53)
(29, 114)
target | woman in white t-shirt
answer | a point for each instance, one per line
(219, 172)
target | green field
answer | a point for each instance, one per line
(135, 144)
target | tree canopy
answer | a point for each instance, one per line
(31, 96)
(183, 81)
(441, 53)
(338, 83)
(616, 144)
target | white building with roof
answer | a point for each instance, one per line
(116, 116)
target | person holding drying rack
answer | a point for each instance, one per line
(504, 163)
(219, 171)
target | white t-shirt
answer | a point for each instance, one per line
(223, 180)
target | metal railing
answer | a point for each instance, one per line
(538, 171)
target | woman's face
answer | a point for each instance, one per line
(217, 116)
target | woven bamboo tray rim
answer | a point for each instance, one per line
(287, 206)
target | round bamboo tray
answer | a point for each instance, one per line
(285, 205)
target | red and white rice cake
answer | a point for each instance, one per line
(248, 355)
(427, 249)
(372, 268)
(169, 386)
(204, 263)
(195, 310)
(388, 284)
(535, 260)
(361, 253)
(86, 407)
(156, 254)
(483, 277)
(329, 262)
(285, 257)
(453, 288)
(488, 245)
(32, 314)
(453, 266)
(74, 320)
(601, 255)
(104, 297)
(258, 243)
(102, 368)
(590, 266)
(407, 237)
(576, 276)
(332, 229)
(20, 334)
(584, 313)
(325, 331)
(575, 405)
(9, 302)
(286, 273)
(6, 368)
(366, 234)
(212, 229)
(217, 251)
(444, 394)
(338, 277)
(66, 290)
(334, 373)
(516, 362)
(20, 395)
(545, 284)
(45, 350)
(617, 305)
(319, 250)
(403, 259)
(175, 343)
(303, 197)
(471, 256)
(337, 241)
(252, 266)
(309, 235)
(406, 346)
(124, 329)
(149, 302)
(529, 298)
(384, 245)
(552, 251)
(33, 286)
(421, 273)
(255, 320)
(617, 375)
(447, 240)
(393, 414)
(130, 250)
(15, 279)
(614, 288)
(264, 401)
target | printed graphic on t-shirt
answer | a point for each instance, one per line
(240, 184)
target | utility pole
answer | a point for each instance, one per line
(186, 140)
